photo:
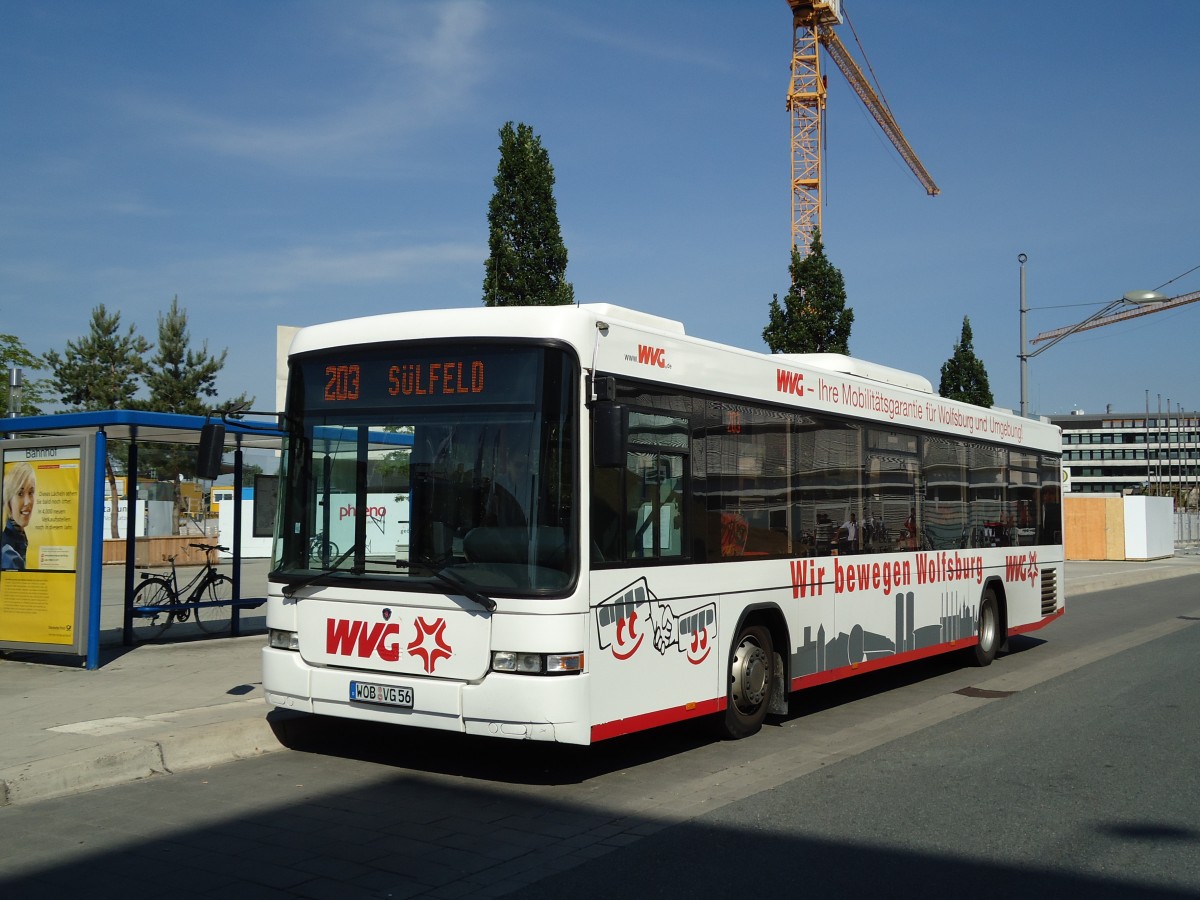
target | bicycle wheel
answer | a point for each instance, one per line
(215, 618)
(148, 621)
(322, 551)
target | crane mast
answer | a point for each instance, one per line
(806, 106)
(812, 28)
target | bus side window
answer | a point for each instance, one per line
(654, 505)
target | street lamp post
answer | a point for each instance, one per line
(1133, 299)
(1024, 354)
(15, 380)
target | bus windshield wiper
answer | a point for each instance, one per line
(456, 584)
(291, 589)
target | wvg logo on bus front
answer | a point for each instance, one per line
(354, 637)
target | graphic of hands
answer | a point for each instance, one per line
(664, 623)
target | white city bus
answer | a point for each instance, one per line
(613, 526)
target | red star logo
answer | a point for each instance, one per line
(1033, 567)
(436, 634)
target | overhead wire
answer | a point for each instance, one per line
(1177, 277)
(1095, 302)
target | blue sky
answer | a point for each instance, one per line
(294, 162)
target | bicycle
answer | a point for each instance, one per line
(206, 598)
(321, 549)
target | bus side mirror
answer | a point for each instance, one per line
(608, 435)
(602, 388)
(212, 448)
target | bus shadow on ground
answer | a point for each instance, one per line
(404, 838)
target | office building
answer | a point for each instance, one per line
(1133, 453)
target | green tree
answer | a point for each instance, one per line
(34, 391)
(102, 370)
(963, 375)
(527, 260)
(813, 317)
(180, 380)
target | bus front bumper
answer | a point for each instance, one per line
(524, 707)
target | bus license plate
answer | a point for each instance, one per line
(387, 694)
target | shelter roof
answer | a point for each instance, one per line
(128, 424)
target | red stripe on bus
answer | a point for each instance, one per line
(1041, 623)
(882, 662)
(656, 718)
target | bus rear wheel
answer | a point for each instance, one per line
(988, 629)
(751, 676)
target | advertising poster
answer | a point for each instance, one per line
(38, 551)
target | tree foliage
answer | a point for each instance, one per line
(180, 380)
(813, 317)
(34, 391)
(109, 367)
(527, 260)
(104, 368)
(963, 375)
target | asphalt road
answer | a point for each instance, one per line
(1083, 786)
(1072, 764)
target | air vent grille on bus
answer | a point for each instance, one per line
(1049, 591)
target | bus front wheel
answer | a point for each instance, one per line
(751, 675)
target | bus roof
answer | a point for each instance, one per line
(627, 342)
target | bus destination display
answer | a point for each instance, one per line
(400, 377)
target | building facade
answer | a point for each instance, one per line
(1133, 453)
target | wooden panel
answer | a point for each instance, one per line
(153, 551)
(1094, 527)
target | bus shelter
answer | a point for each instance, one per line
(50, 588)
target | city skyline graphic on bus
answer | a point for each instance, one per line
(819, 654)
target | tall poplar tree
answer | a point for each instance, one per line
(813, 317)
(963, 375)
(527, 260)
(100, 371)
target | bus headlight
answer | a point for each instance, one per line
(537, 663)
(283, 640)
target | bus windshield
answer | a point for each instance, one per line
(431, 465)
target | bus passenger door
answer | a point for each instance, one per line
(655, 654)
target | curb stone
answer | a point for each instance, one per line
(132, 759)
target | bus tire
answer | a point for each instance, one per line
(751, 676)
(987, 629)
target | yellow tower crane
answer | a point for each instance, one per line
(812, 27)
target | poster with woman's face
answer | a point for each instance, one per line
(41, 503)
(38, 548)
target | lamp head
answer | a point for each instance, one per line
(1144, 298)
